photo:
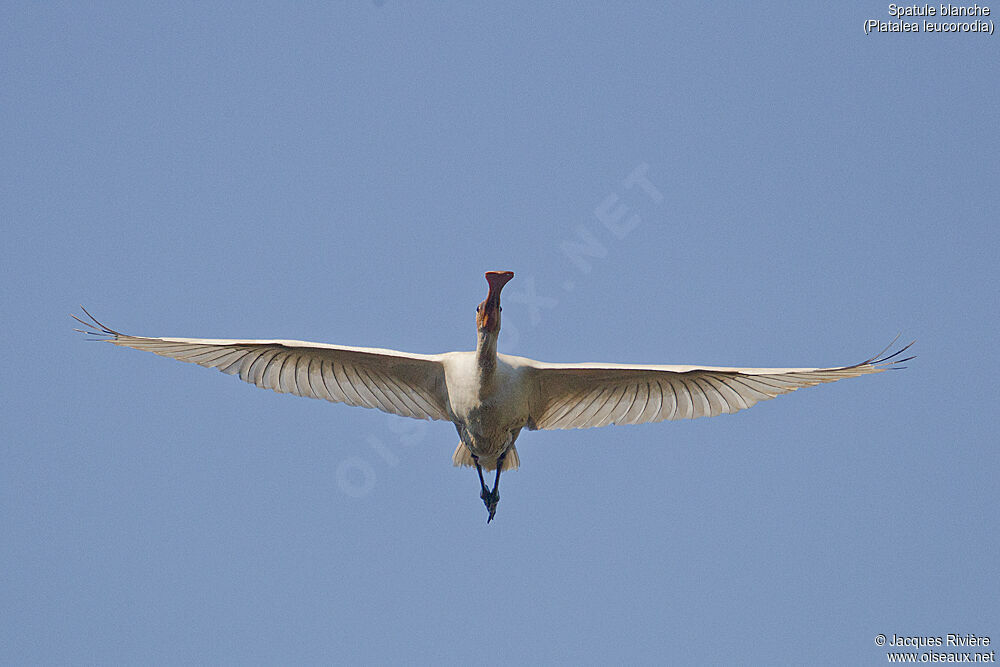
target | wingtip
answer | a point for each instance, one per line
(886, 361)
(95, 327)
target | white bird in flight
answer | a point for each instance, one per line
(490, 397)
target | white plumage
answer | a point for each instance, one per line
(490, 397)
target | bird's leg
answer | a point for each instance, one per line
(482, 483)
(496, 481)
(493, 497)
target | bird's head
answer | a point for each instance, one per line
(488, 312)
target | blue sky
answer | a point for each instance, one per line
(346, 173)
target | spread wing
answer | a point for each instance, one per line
(410, 385)
(589, 395)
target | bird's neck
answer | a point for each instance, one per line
(486, 353)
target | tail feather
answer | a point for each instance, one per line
(463, 457)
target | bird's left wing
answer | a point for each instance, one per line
(410, 385)
(589, 395)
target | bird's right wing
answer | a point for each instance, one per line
(410, 385)
(589, 395)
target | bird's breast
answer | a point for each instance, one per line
(487, 404)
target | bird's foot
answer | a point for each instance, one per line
(490, 499)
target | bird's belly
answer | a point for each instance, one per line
(488, 449)
(487, 419)
(484, 433)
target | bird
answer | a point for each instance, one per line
(488, 396)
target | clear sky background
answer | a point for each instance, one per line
(346, 173)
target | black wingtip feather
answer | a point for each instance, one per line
(95, 328)
(885, 361)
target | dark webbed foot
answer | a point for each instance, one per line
(490, 499)
(493, 497)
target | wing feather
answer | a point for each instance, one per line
(591, 395)
(639, 402)
(673, 402)
(624, 404)
(412, 399)
(685, 403)
(715, 399)
(589, 405)
(286, 375)
(327, 375)
(411, 385)
(315, 380)
(610, 406)
(375, 382)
